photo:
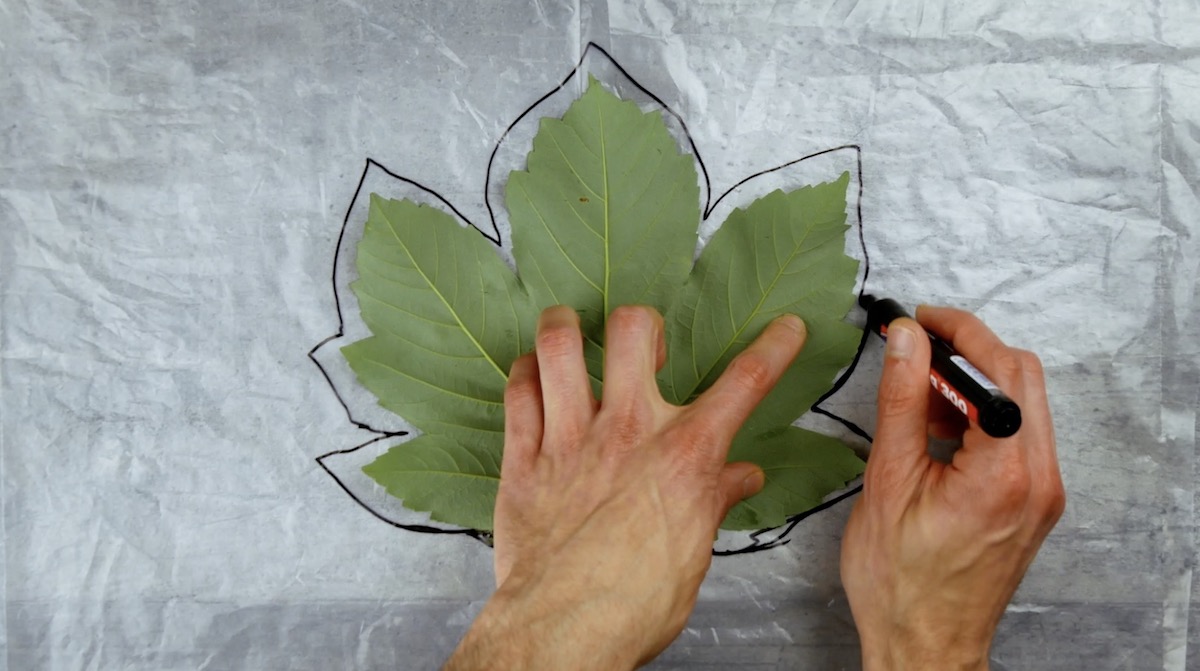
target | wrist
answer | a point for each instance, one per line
(929, 660)
(530, 627)
(928, 646)
(909, 649)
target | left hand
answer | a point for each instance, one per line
(607, 511)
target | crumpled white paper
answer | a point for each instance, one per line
(174, 180)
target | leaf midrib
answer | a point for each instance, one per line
(604, 174)
(442, 298)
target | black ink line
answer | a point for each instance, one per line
(856, 148)
(337, 302)
(710, 205)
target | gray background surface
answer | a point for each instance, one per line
(173, 177)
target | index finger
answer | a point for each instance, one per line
(750, 377)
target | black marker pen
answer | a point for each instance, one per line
(962, 384)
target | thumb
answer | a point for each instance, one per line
(739, 480)
(899, 450)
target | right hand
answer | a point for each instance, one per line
(933, 552)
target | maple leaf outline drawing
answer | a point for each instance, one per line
(344, 466)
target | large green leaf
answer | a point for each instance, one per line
(605, 215)
(448, 320)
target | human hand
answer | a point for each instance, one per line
(933, 552)
(607, 510)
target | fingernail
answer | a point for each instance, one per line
(900, 342)
(793, 322)
(753, 483)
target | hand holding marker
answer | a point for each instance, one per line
(953, 376)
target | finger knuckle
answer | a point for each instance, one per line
(628, 423)
(632, 319)
(1054, 503)
(752, 372)
(1030, 363)
(624, 437)
(1009, 365)
(521, 394)
(569, 431)
(900, 396)
(558, 339)
(1012, 488)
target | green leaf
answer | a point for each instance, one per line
(801, 468)
(448, 320)
(454, 482)
(606, 213)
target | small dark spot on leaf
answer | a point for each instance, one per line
(583, 199)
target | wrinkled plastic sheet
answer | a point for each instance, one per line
(173, 183)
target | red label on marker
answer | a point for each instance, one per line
(966, 407)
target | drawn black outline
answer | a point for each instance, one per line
(760, 539)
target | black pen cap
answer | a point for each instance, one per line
(881, 312)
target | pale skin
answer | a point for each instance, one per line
(607, 508)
